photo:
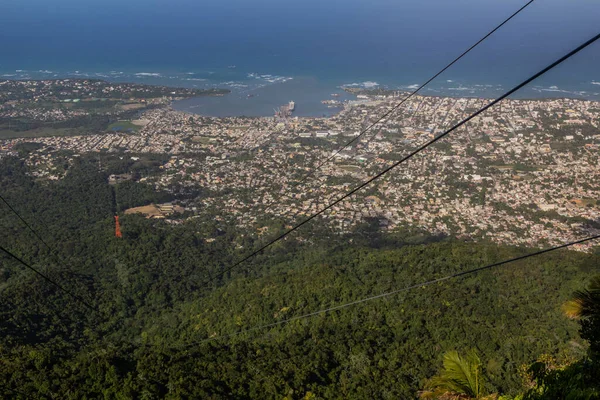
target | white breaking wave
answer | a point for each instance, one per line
(550, 89)
(472, 88)
(234, 84)
(595, 83)
(147, 74)
(555, 89)
(269, 78)
(366, 85)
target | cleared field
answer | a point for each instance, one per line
(201, 139)
(585, 202)
(140, 122)
(123, 126)
(132, 106)
(150, 211)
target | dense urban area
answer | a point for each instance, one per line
(523, 173)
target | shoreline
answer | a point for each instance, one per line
(334, 111)
(259, 101)
(367, 92)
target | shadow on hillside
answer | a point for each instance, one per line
(373, 232)
(591, 227)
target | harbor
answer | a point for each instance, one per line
(300, 97)
(285, 111)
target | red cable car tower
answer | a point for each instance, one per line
(118, 227)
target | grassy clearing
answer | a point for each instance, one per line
(201, 139)
(123, 126)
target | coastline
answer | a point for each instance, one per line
(241, 93)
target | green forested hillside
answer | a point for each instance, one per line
(158, 329)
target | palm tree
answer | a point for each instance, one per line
(585, 303)
(585, 306)
(461, 378)
(578, 380)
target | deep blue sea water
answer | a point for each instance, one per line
(279, 51)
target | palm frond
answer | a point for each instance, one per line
(572, 309)
(459, 375)
(585, 303)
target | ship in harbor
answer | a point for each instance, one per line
(285, 111)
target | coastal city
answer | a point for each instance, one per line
(523, 173)
(300, 200)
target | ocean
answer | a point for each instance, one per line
(270, 52)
